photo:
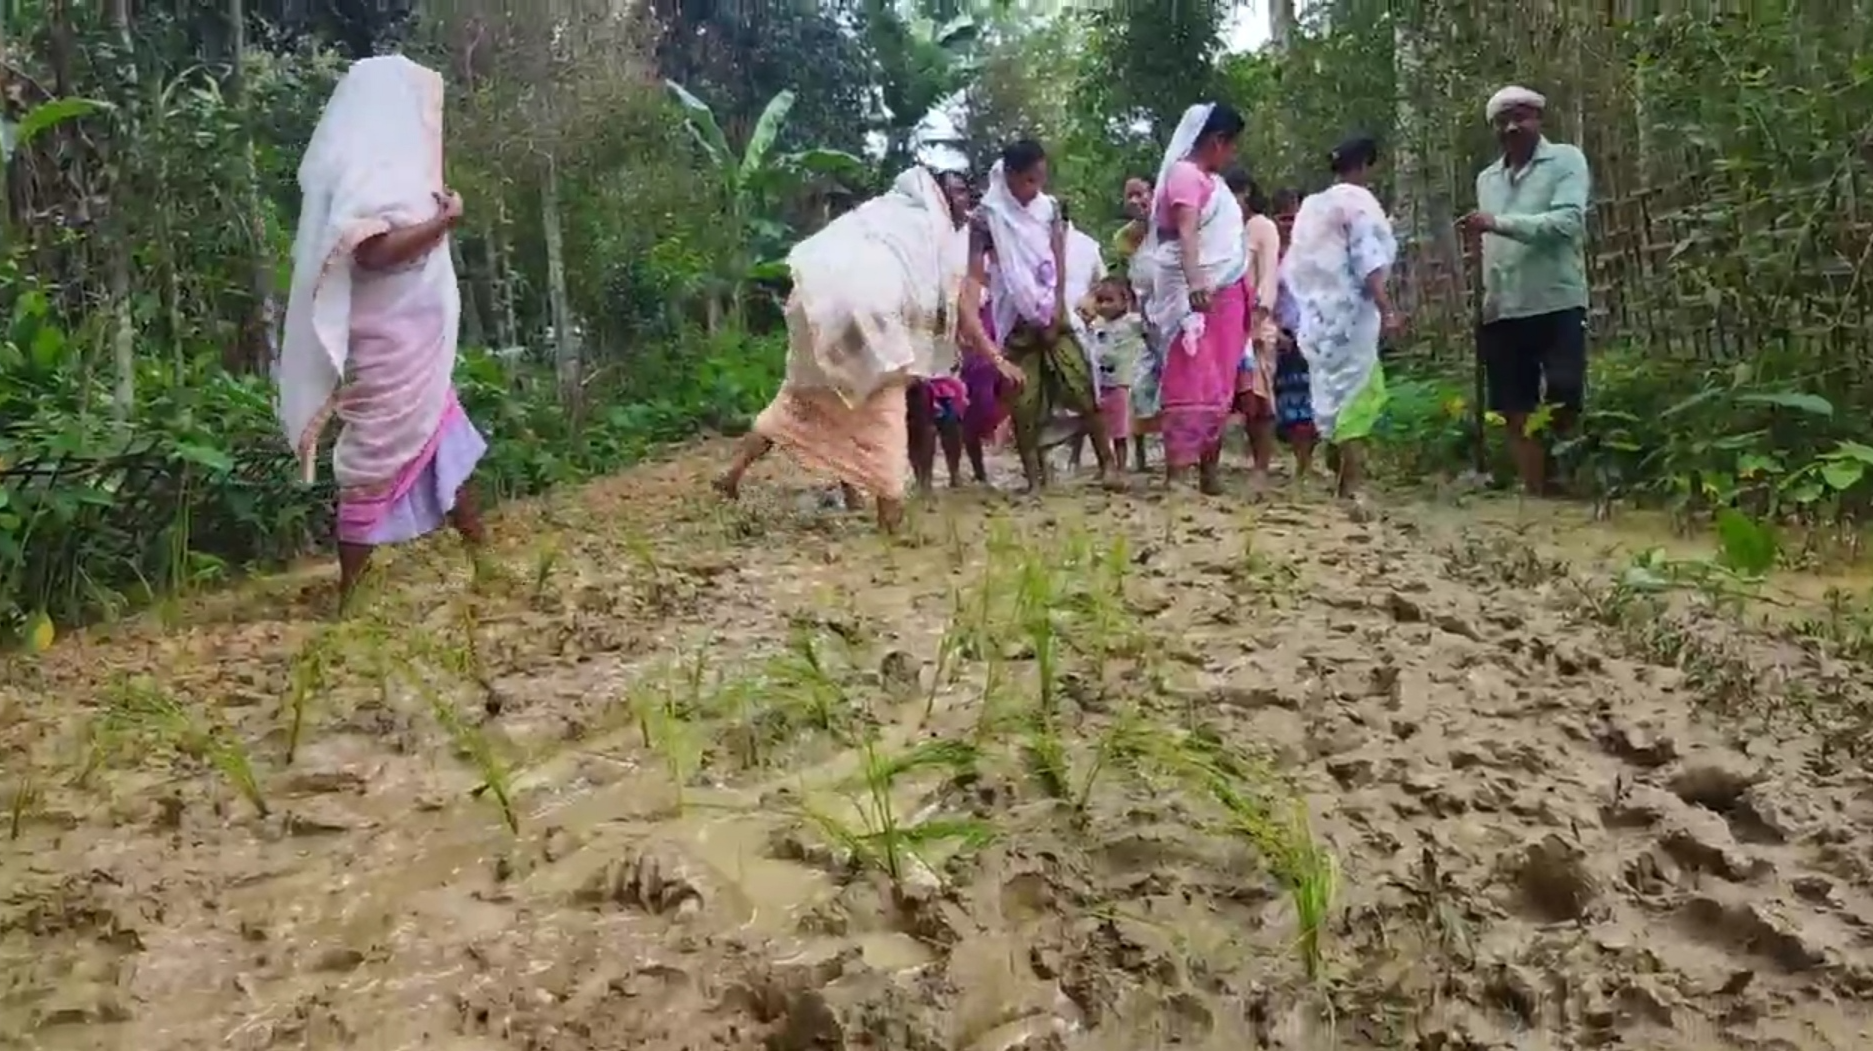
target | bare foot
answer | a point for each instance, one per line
(728, 487)
(890, 516)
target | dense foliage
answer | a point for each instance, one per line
(632, 172)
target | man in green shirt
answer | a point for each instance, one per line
(1532, 218)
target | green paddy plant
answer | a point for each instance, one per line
(472, 742)
(663, 719)
(138, 713)
(654, 584)
(958, 641)
(545, 560)
(1310, 874)
(1118, 749)
(26, 795)
(306, 678)
(883, 838)
(805, 684)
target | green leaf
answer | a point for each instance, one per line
(700, 120)
(766, 130)
(1842, 475)
(1692, 402)
(1813, 404)
(828, 162)
(1852, 450)
(205, 456)
(1748, 546)
(47, 347)
(1751, 464)
(770, 270)
(41, 119)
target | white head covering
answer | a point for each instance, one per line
(876, 290)
(1183, 140)
(1509, 98)
(1023, 282)
(1222, 242)
(374, 164)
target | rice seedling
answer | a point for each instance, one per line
(954, 543)
(655, 587)
(26, 796)
(137, 712)
(1119, 747)
(305, 678)
(1311, 875)
(805, 687)
(662, 720)
(545, 561)
(1300, 864)
(881, 837)
(470, 741)
(950, 649)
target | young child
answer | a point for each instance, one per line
(1118, 336)
(937, 407)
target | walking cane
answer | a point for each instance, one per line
(1473, 268)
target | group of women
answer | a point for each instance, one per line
(1276, 323)
(921, 318)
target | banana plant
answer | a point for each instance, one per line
(754, 182)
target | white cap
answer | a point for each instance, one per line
(1510, 97)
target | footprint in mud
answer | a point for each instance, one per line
(646, 881)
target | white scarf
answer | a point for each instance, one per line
(1024, 255)
(877, 289)
(374, 164)
(1222, 244)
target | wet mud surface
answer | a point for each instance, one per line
(1099, 772)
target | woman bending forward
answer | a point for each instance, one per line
(873, 309)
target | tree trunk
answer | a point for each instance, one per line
(502, 286)
(472, 332)
(1281, 24)
(259, 351)
(124, 333)
(565, 343)
(1408, 176)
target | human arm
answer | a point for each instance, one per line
(1373, 248)
(1264, 256)
(394, 248)
(974, 336)
(1058, 233)
(1186, 218)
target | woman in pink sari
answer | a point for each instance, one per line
(1198, 297)
(371, 323)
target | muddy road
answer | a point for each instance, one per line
(1100, 772)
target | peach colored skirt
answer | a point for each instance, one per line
(867, 446)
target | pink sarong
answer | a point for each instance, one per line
(1115, 406)
(420, 498)
(1199, 389)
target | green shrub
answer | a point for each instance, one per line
(96, 517)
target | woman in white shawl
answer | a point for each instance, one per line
(371, 322)
(1196, 299)
(1339, 257)
(1019, 264)
(873, 309)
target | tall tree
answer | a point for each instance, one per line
(739, 55)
